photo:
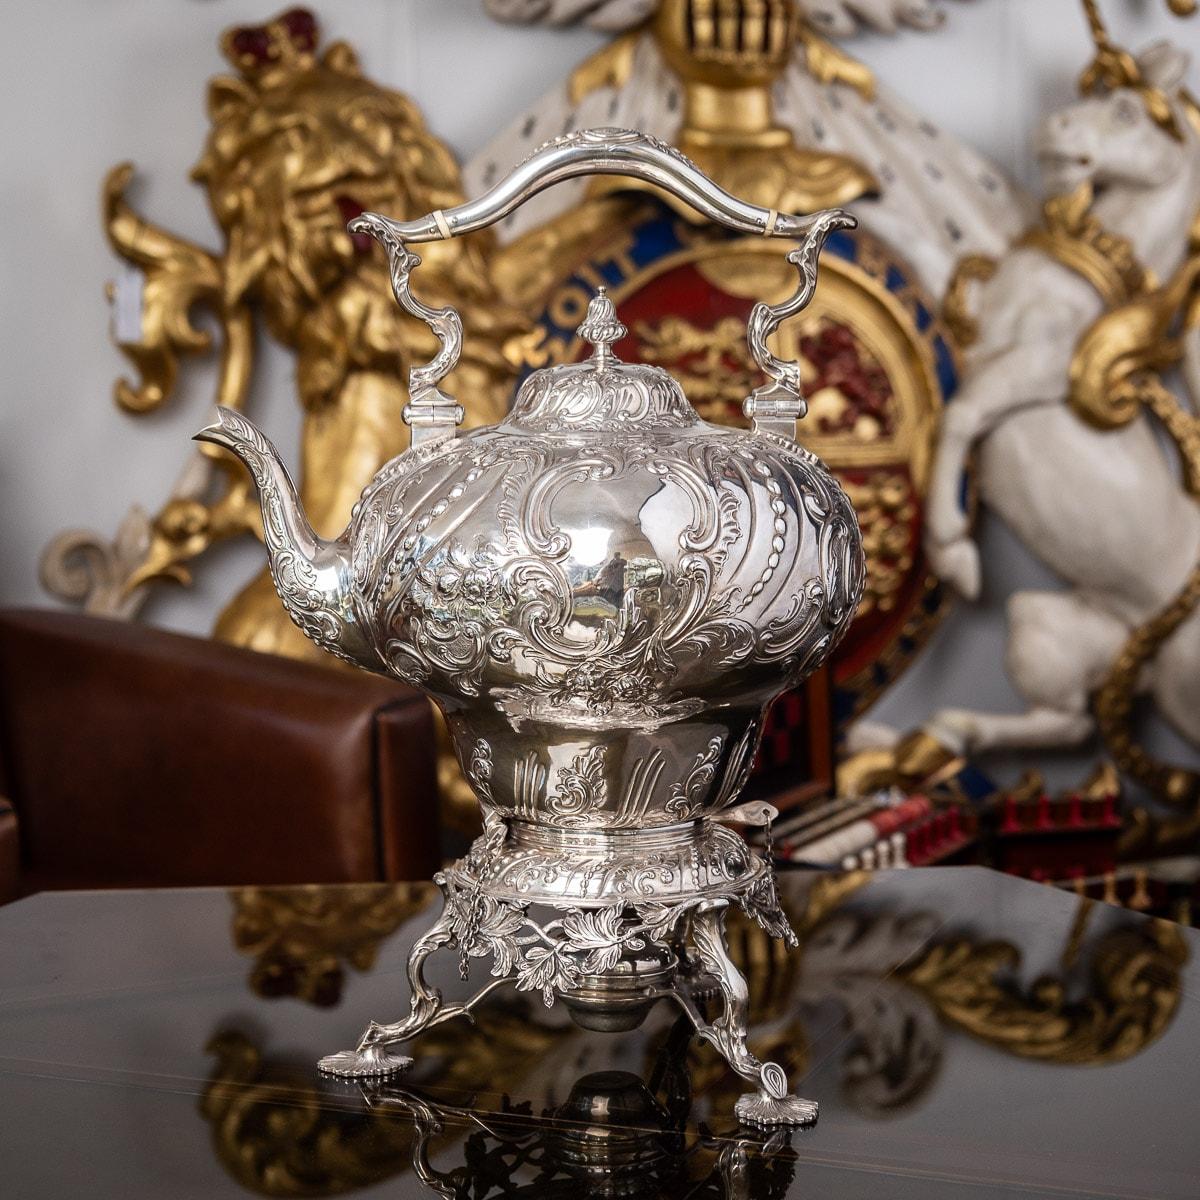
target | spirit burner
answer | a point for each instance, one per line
(603, 593)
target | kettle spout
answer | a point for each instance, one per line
(312, 575)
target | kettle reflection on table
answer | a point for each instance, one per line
(616, 1134)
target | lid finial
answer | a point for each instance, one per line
(601, 327)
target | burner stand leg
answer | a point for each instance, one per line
(372, 1059)
(770, 1105)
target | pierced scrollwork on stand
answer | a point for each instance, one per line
(583, 950)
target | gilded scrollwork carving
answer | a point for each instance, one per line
(302, 938)
(1135, 994)
(274, 1147)
(1072, 234)
(274, 1135)
(173, 279)
(300, 141)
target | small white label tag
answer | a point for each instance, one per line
(127, 305)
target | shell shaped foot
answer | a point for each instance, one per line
(372, 1062)
(770, 1112)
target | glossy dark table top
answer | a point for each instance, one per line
(967, 1034)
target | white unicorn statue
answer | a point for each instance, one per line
(1103, 507)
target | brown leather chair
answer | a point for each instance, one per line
(131, 757)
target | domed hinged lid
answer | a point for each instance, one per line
(602, 391)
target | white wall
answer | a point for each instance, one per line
(88, 83)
